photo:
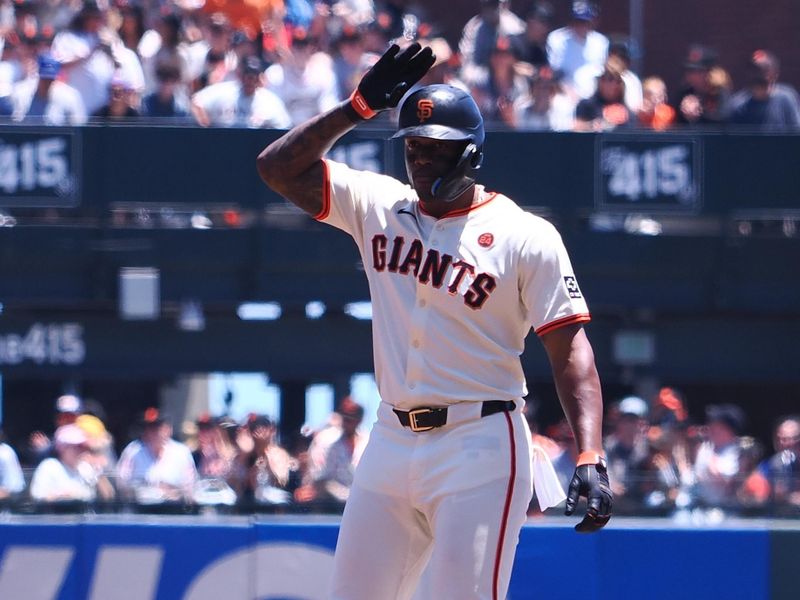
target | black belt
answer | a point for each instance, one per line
(426, 418)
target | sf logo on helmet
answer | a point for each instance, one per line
(424, 109)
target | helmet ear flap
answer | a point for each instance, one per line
(475, 156)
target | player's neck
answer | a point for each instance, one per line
(472, 196)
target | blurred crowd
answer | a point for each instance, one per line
(659, 461)
(216, 462)
(662, 463)
(275, 63)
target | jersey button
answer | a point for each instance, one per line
(439, 227)
(434, 241)
(411, 386)
(422, 303)
(415, 343)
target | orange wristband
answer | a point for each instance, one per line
(589, 457)
(360, 105)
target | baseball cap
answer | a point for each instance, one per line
(69, 403)
(91, 7)
(729, 414)
(70, 435)
(152, 416)
(206, 421)
(91, 426)
(48, 66)
(700, 57)
(349, 408)
(584, 11)
(541, 11)
(254, 421)
(633, 405)
(300, 36)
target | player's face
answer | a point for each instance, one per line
(427, 160)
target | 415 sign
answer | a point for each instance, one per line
(38, 167)
(648, 173)
(44, 344)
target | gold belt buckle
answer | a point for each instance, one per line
(412, 419)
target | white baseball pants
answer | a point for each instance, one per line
(450, 502)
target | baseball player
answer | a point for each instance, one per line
(458, 275)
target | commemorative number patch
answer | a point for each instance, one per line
(572, 287)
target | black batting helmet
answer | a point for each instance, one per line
(444, 112)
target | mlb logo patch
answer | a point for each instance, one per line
(572, 287)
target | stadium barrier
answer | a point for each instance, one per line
(197, 558)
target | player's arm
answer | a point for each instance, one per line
(578, 385)
(291, 164)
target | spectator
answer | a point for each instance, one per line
(246, 16)
(377, 35)
(156, 469)
(621, 50)
(268, 465)
(131, 26)
(304, 79)
(241, 103)
(317, 454)
(442, 70)
(669, 407)
(42, 99)
(167, 101)
(68, 408)
(121, 98)
(655, 113)
(479, 39)
(87, 59)
(606, 109)
(214, 455)
(126, 59)
(703, 101)
(12, 481)
(163, 44)
(766, 102)
(340, 13)
(717, 465)
(668, 478)
(67, 476)
(219, 61)
(545, 106)
(348, 60)
(776, 481)
(99, 453)
(578, 45)
(506, 84)
(342, 457)
(299, 13)
(214, 459)
(537, 27)
(627, 451)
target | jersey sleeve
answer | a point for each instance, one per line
(348, 195)
(549, 289)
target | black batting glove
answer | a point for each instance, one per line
(591, 481)
(390, 78)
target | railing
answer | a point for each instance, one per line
(684, 505)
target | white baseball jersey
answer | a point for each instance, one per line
(453, 298)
